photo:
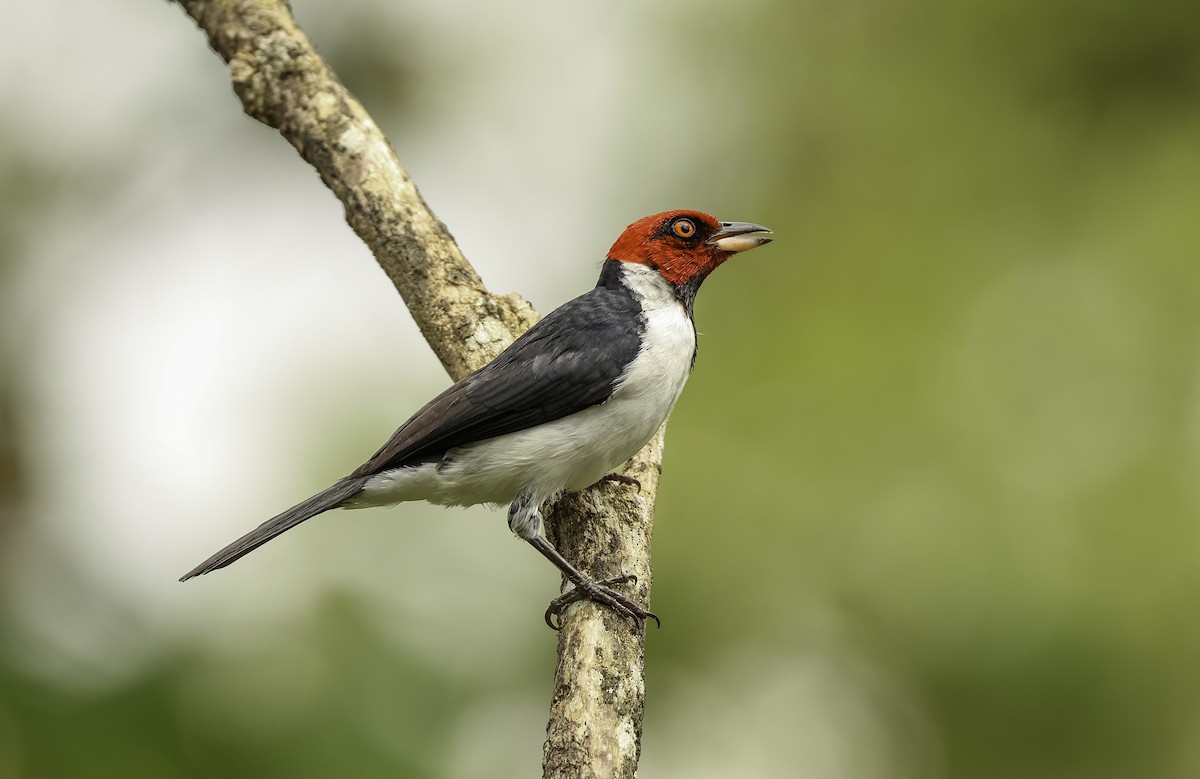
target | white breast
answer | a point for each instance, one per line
(576, 451)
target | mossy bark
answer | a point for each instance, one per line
(595, 721)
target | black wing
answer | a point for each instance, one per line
(565, 363)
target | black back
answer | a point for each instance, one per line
(565, 363)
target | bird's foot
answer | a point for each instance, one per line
(620, 478)
(601, 592)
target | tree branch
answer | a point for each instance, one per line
(284, 83)
(595, 727)
(596, 712)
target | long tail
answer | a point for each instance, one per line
(331, 498)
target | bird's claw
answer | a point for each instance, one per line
(621, 478)
(601, 592)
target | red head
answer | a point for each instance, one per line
(685, 246)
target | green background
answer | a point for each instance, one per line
(930, 501)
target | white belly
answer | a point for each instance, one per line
(570, 453)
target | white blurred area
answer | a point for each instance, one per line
(201, 320)
(215, 320)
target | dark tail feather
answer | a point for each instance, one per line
(331, 498)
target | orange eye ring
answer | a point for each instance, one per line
(684, 228)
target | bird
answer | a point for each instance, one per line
(562, 408)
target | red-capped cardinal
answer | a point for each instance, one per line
(570, 400)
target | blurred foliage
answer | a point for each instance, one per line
(930, 501)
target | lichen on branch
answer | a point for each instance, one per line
(595, 721)
(283, 83)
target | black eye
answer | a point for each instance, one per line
(684, 228)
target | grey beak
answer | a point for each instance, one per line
(735, 236)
